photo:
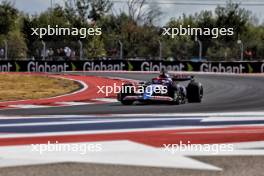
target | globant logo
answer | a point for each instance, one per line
(5, 67)
(208, 67)
(92, 66)
(46, 67)
(150, 66)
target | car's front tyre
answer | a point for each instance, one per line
(127, 90)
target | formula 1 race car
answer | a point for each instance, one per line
(164, 88)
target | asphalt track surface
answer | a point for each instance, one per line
(222, 93)
(232, 166)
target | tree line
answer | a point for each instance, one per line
(137, 28)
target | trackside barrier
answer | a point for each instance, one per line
(123, 65)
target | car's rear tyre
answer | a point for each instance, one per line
(195, 92)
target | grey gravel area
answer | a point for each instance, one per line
(231, 165)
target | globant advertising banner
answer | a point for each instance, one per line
(127, 65)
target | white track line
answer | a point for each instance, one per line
(27, 106)
(223, 132)
(219, 119)
(220, 114)
(109, 100)
(73, 103)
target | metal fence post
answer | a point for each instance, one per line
(200, 47)
(160, 49)
(6, 49)
(241, 49)
(44, 49)
(81, 49)
(121, 49)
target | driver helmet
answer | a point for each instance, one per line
(164, 74)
